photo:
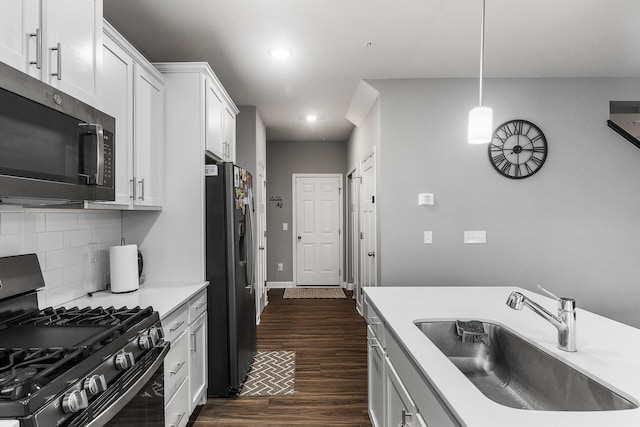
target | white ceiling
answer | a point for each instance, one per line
(411, 39)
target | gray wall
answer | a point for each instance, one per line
(574, 227)
(283, 160)
(246, 138)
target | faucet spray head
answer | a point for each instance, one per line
(515, 300)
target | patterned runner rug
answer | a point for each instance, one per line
(313, 293)
(272, 373)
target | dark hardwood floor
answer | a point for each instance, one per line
(329, 338)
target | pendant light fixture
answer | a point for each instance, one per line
(481, 117)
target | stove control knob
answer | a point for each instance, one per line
(75, 401)
(124, 360)
(156, 333)
(95, 384)
(145, 342)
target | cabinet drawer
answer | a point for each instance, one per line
(176, 366)
(431, 407)
(375, 324)
(176, 323)
(197, 306)
(176, 412)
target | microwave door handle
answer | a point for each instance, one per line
(95, 129)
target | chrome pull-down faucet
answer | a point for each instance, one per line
(565, 321)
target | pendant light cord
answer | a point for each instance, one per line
(481, 54)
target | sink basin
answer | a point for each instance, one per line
(515, 373)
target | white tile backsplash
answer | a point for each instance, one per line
(62, 239)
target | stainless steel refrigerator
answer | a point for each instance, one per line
(229, 270)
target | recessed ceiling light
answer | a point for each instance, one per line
(280, 52)
(311, 117)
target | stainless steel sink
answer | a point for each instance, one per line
(515, 373)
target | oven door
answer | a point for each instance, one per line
(136, 399)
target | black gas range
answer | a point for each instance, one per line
(76, 366)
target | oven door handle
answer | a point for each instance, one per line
(131, 392)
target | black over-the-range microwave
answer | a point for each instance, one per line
(53, 147)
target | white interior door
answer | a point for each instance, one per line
(317, 225)
(261, 238)
(368, 221)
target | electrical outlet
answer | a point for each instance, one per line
(428, 237)
(93, 253)
(475, 237)
(280, 268)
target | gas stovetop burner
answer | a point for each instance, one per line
(24, 371)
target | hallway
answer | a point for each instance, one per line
(329, 338)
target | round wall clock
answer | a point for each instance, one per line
(518, 149)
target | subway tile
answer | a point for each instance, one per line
(12, 244)
(60, 221)
(43, 242)
(63, 258)
(77, 238)
(103, 235)
(11, 223)
(34, 222)
(91, 220)
(53, 278)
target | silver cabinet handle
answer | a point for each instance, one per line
(38, 61)
(200, 304)
(180, 365)
(194, 343)
(141, 182)
(180, 417)
(133, 188)
(58, 73)
(175, 328)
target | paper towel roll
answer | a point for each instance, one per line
(123, 264)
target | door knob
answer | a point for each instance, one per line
(299, 238)
(261, 248)
(371, 254)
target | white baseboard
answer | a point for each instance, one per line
(279, 285)
(348, 286)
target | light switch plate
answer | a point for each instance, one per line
(475, 237)
(428, 237)
(425, 199)
(285, 226)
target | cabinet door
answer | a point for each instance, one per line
(148, 138)
(214, 137)
(400, 409)
(20, 35)
(229, 135)
(75, 27)
(115, 97)
(197, 361)
(376, 379)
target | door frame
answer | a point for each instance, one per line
(370, 154)
(261, 240)
(294, 220)
(352, 233)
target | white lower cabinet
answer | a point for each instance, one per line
(399, 395)
(197, 350)
(376, 377)
(175, 412)
(185, 366)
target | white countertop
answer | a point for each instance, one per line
(608, 351)
(164, 297)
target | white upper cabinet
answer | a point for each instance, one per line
(115, 94)
(214, 110)
(132, 90)
(220, 115)
(229, 134)
(57, 41)
(20, 34)
(148, 140)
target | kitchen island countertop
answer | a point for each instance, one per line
(164, 297)
(608, 351)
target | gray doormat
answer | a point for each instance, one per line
(313, 293)
(272, 373)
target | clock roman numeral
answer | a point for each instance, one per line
(535, 160)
